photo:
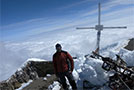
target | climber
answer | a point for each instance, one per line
(61, 61)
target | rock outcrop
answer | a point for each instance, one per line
(130, 45)
(32, 70)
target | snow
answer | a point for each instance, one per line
(48, 75)
(24, 85)
(36, 59)
(44, 78)
(128, 56)
(91, 70)
(76, 75)
(54, 86)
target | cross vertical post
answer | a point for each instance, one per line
(99, 14)
(99, 31)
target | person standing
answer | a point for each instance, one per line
(63, 67)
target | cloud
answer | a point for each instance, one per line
(9, 61)
(25, 23)
(75, 4)
(108, 5)
(113, 3)
(118, 15)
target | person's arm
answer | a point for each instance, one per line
(71, 61)
(55, 65)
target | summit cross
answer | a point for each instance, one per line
(99, 28)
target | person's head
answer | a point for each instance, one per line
(58, 47)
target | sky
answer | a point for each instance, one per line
(24, 19)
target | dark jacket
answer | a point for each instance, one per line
(60, 61)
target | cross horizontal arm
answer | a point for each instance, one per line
(85, 28)
(124, 27)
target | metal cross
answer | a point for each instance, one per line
(99, 28)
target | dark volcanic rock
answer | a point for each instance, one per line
(130, 45)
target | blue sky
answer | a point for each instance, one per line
(14, 11)
(21, 19)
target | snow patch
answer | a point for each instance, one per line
(24, 85)
(54, 86)
(48, 75)
(44, 78)
(36, 59)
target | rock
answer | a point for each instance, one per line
(16, 85)
(87, 85)
(31, 71)
(130, 45)
(41, 84)
(6, 86)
